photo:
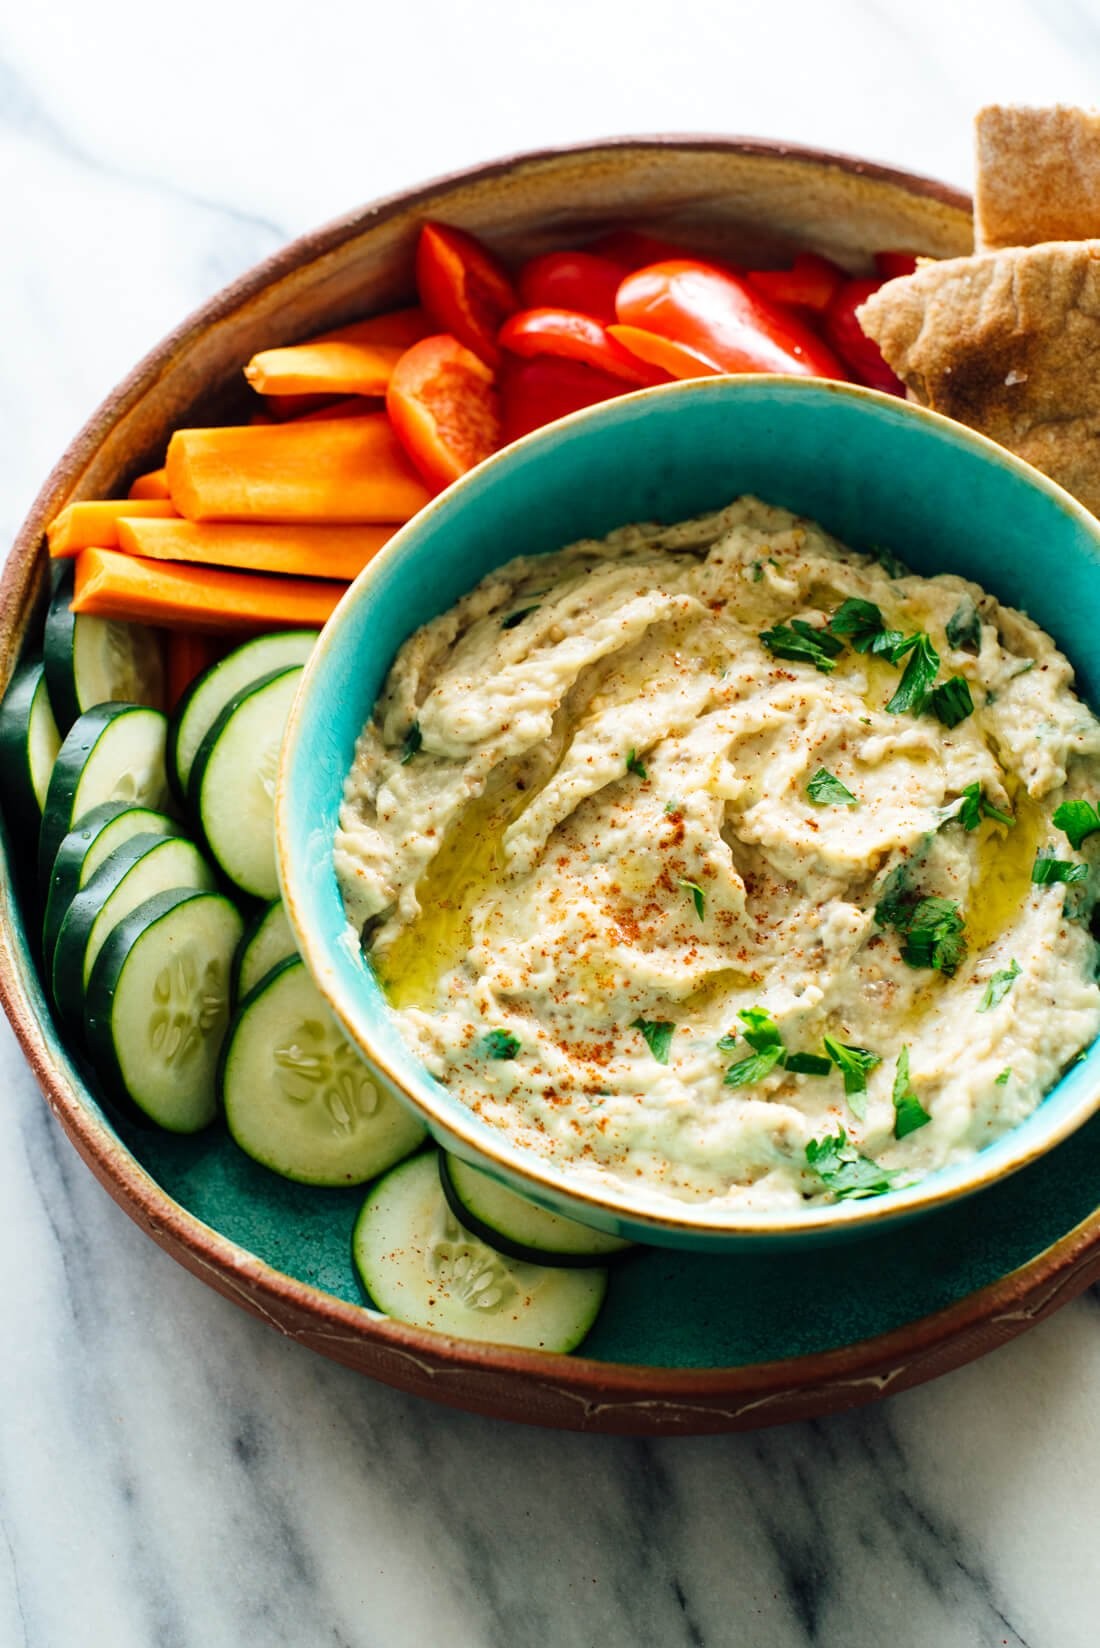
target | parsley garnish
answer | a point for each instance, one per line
(861, 623)
(804, 644)
(951, 701)
(1004, 1076)
(658, 1036)
(896, 904)
(909, 1113)
(763, 1036)
(917, 679)
(413, 741)
(807, 1064)
(698, 897)
(934, 936)
(515, 618)
(1048, 869)
(890, 564)
(999, 986)
(964, 627)
(673, 804)
(826, 790)
(634, 764)
(975, 807)
(752, 1069)
(500, 1044)
(845, 1170)
(853, 1064)
(757, 572)
(1077, 820)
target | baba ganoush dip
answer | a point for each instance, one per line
(727, 863)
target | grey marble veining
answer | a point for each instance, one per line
(172, 1473)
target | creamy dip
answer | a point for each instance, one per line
(597, 820)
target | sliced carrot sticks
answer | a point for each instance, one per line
(348, 470)
(152, 485)
(188, 655)
(355, 406)
(94, 524)
(324, 369)
(303, 550)
(110, 584)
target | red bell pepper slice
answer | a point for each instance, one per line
(809, 283)
(540, 390)
(465, 289)
(574, 337)
(859, 353)
(571, 280)
(676, 358)
(723, 320)
(892, 265)
(632, 249)
(444, 408)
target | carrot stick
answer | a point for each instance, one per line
(353, 469)
(324, 369)
(112, 585)
(94, 524)
(188, 655)
(152, 485)
(305, 551)
(400, 327)
(355, 406)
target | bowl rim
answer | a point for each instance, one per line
(499, 1152)
(575, 1391)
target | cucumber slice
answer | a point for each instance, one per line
(232, 787)
(515, 1226)
(208, 695)
(82, 852)
(265, 944)
(418, 1264)
(115, 752)
(145, 865)
(297, 1096)
(93, 661)
(158, 1006)
(29, 742)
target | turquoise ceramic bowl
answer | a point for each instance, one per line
(874, 471)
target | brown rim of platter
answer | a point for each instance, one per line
(572, 1392)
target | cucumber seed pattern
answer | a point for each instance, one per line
(317, 1066)
(191, 1001)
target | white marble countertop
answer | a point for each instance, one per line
(173, 1474)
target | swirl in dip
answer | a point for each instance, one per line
(721, 859)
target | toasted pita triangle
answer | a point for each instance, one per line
(1038, 176)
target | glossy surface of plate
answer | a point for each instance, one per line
(282, 1253)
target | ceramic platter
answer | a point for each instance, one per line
(685, 1342)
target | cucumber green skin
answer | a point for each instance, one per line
(68, 864)
(251, 932)
(67, 977)
(179, 789)
(519, 1250)
(20, 802)
(101, 992)
(57, 814)
(202, 760)
(58, 641)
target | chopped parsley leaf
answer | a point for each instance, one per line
(658, 1035)
(698, 897)
(761, 1030)
(918, 676)
(999, 986)
(1004, 1076)
(515, 618)
(934, 936)
(825, 790)
(951, 701)
(803, 644)
(1077, 820)
(500, 1044)
(634, 764)
(898, 899)
(844, 1170)
(974, 807)
(1048, 869)
(413, 741)
(909, 1113)
(673, 804)
(964, 627)
(858, 622)
(754, 1068)
(890, 564)
(757, 572)
(853, 1064)
(808, 1064)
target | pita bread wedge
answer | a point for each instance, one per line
(1009, 343)
(1038, 176)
